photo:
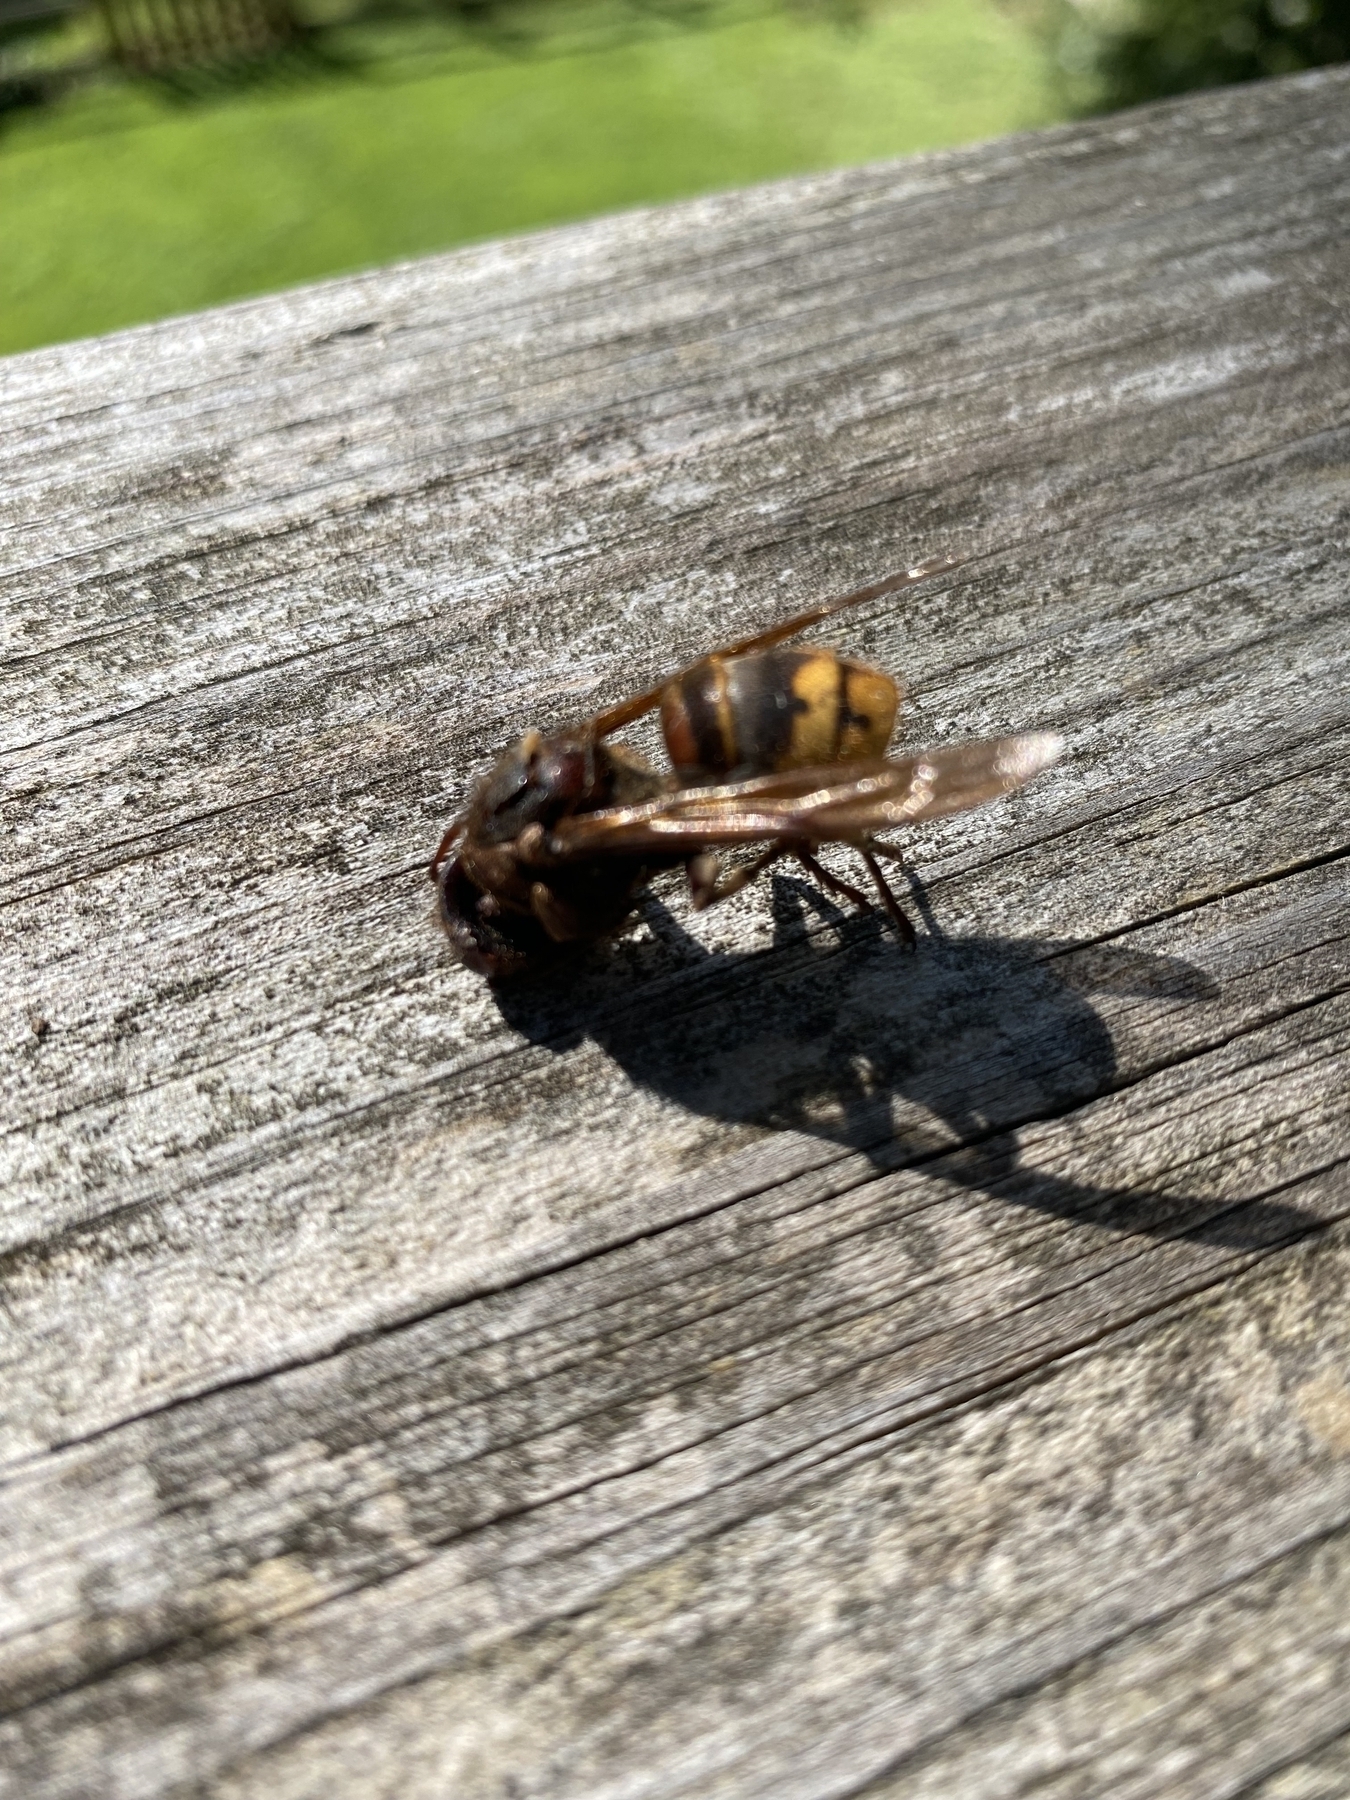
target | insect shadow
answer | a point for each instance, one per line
(936, 1059)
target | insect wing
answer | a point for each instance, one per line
(947, 780)
(843, 802)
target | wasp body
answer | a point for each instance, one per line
(783, 748)
(729, 717)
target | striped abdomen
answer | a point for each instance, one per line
(734, 717)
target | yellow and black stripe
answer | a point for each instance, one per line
(728, 718)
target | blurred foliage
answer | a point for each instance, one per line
(1116, 53)
(388, 128)
(409, 127)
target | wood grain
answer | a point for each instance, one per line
(752, 1362)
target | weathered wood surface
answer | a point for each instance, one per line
(760, 1364)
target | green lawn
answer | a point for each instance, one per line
(123, 204)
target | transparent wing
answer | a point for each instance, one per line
(843, 802)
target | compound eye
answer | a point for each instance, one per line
(516, 777)
(514, 773)
(560, 772)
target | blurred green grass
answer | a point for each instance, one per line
(126, 202)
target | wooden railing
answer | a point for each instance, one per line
(753, 1361)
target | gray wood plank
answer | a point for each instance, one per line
(755, 1362)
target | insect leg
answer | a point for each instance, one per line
(559, 920)
(832, 882)
(705, 889)
(443, 848)
(894, 911)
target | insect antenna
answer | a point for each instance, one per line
(625, 713)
